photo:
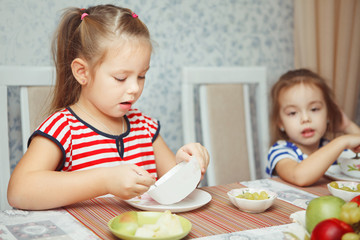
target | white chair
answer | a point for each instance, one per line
(229, 120)
(34, 83)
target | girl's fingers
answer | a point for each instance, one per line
(197, 150)
(144, 178)
(182, 155)
(357, 149)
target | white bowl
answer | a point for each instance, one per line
(177, 183)
(350, 166)
(251, 206)
(346, 195)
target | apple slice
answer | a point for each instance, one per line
(126, 223)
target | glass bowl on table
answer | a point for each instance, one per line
(252, 200)
(146, 225)
(344, 189)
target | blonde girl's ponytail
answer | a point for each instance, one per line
(65, 48)
(83, 33)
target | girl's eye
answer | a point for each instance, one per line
(315, 109)
(120, 79)
(293, 113)
(141, 77)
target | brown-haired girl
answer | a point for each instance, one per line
(94, 143)
(303, 112)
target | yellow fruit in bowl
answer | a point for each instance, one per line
(167, 224)
(148, 225)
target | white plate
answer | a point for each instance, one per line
(196, 199)
(334, 172)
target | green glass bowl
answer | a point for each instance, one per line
(146, 217)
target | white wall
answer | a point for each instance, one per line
(188, 33)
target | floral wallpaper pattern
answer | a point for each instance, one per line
(186, 32)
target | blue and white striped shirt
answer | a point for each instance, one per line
(284, 149)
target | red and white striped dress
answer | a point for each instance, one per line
(85, 147)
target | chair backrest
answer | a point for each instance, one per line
(34, 84)
(34, 107)
(230, 120)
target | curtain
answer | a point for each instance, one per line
(327, 41)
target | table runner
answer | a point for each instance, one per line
(299, 196)
(319, 188)
(217, 217)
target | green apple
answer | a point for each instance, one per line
(126, 223)
(322, 208)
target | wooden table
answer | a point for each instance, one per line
(219, 216)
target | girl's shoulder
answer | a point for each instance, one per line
(58, 118)
(286, 148)
(64, 113)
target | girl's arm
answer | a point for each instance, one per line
(36, 185)
(311, 169)
(165, 158)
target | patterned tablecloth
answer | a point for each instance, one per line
(217, 220)
(219, 216)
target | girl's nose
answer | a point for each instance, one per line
(305, 117)
(133, 86)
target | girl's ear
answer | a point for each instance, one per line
(280, 126)
(80, 70)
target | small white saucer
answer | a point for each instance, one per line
(334, 172)
(196, 199)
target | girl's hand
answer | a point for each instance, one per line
(356, 149)
(128, 181)
(197, 150)
(350, 141)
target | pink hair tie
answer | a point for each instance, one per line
(134, 15)
(83, 15)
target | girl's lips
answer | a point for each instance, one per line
(126, 105)
(308, 132)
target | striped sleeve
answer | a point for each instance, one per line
(56, 128)
(281, 150)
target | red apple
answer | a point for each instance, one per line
(356, 200)
(330, 229)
